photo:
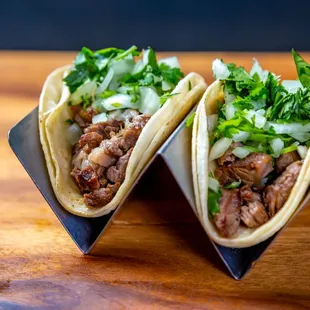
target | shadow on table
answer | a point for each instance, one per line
(157, 205)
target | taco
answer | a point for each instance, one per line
(250, 152)
(103, 118)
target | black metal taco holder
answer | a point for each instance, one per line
(24, 141)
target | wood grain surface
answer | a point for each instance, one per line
(155, 255)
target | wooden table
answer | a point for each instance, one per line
(155, 255)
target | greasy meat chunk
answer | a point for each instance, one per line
(228, 157)
(112, 147)
(227, 220)
(285, 160)
(247, 195)
(99, 197)
(254, 214)
(86, 179)
(114, 187)
(92, 139)
(251, 170)
(88, 114)
(117, 173)
(106, 128)
(275, 195)
(131, 134)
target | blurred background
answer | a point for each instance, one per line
(200, 25)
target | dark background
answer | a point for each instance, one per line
(165, 25)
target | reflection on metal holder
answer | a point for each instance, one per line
(175, 153)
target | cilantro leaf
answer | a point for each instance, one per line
(171, 75)
(80, 74)
(190, 120)
(213, 201)
(107, 94)
(303, 69)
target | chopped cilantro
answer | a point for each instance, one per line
(190, 120)
(171, 75)
(303, 69)
(116, 105)
(233, 185)
(107, 94)
(189, 85)
(165, 97)
(213, 201)
(69, 121)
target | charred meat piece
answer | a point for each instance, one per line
(227, 220)
(254, 214)
(132, 133)
(251, 170)
(99, 197)
(228, 156)
(117, 173)
(275, 195)
(86, 179)
(285, 160)
(92, 139)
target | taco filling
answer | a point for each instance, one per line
(258, 141)
(114, 93)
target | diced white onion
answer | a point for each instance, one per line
(139, 66)
(256, 118)
(124, 90)
(102, 62)
(123, 66)
(86, 90)
(119, 101)
(212, 122)
(172, 62)
(301, 136)
(256, 68)
(149, 101)
(277, 146)
(219, 148)
(229, 110)
(220, 70)
(99, 118)
(227, 96)
(145, 57)
(74, 133)
(241, 152)
(166, 86)
(213, 184)
(105, 83)
(291, 86)
(241, 136)
(302, 151)
(290, 128)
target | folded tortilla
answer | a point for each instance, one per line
(245, 237)
(54, 111)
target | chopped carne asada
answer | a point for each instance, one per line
(107, 146)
